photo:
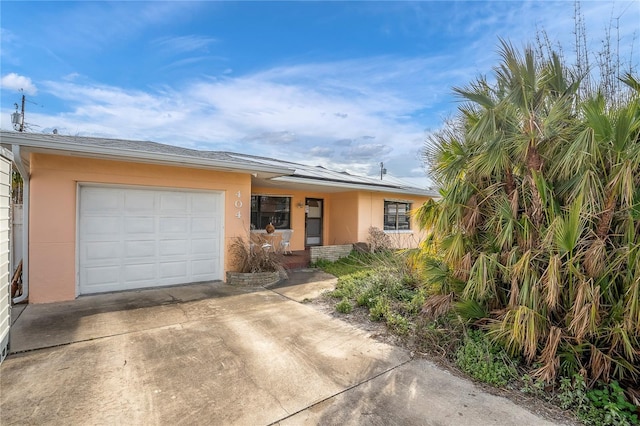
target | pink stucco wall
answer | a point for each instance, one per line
(52, 234)
(53, 198)
(371, 213)
(343, 217)
(348, 216)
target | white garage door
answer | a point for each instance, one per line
(134, 238)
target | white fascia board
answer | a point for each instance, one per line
(62, 147)
(356, 186)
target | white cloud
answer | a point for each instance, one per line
(322, 113)
(369, 151)
(13, 81)
(344, 114)
(182, 44)
(71, 76)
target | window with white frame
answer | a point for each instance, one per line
(396, 216)
(266, 209)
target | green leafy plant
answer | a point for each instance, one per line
(352, 285)
(345, 266)
(484, 360)
(381, 282)
(604, 405)
(573, 393)
(532, 386)
(380, 309)
(398, 323)
(344, 306)
(609, 406)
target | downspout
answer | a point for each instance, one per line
(17, 159)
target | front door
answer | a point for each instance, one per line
(313, 222)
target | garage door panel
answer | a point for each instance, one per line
(97, 250)
(204, 206)
(203, 267)
(204, 246)
(101, 225)
(147, 238)
(174, 247)
(100, 201)
(200, 224)
(173, 225)
(139, 201)
(173, 269)
(139, 272)
(140, 249)
(174, 203)
(140, 224)
(98, 275)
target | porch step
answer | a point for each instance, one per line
(297, 260)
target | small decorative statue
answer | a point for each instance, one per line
(270, 228)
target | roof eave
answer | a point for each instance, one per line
(66, 148)
(356, 186)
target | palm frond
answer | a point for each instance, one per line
(549, 357)
(552, 282)
(521, 330)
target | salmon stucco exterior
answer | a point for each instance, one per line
(110, 215)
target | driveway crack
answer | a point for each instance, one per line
(342, 391)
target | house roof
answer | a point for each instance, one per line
(136, 151)
(333, 180)
(268, 172)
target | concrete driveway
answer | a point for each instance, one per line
(221, 355)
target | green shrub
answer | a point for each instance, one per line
(355, 262)
(367, 298)
(484, 360)
(350, 286)
(608, 406)
(414, 307)
(398, 323)
(533, 386)
(573, 394)
(602, 406)
(344, 306)
(380, 309)
(382, 282)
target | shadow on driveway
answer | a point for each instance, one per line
(221, 355)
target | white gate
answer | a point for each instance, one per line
(5, 251)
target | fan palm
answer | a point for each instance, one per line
(540, 215)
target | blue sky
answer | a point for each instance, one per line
(345, 85)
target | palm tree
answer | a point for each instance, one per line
(539, 220)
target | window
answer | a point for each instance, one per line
(266, 210)
(396, 216)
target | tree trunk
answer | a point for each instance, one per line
(535, 164)
(607, 216)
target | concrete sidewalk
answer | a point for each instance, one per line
(215, 354)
